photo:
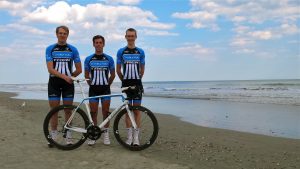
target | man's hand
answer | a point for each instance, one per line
(67, 79)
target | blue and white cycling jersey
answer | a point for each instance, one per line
(62, 58)
(99, 67)
(131, 60)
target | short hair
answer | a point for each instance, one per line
(131, 30)
(98, 37)
(62, 27)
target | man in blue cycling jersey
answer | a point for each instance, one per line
(60, 58)
(130, 69)
(100, 69)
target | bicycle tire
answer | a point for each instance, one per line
(80, 120)
(148, 129)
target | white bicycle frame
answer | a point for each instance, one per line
(107, 119)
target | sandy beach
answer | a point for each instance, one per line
(180, 145)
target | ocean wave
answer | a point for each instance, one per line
(279, 92)
(265, 88)
(284, 100)
(281, 84)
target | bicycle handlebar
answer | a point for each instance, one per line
(78, 80)
(122, 89)
(126, 88)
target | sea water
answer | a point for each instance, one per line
(269, 107)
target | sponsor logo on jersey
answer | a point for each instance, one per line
(131, 57)
(60, 54)
(102, 64)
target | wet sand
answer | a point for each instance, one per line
(179, 145)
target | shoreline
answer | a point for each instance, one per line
(237, 116)
(179, 145)
(189, 98)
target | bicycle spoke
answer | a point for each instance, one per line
(60, 136)
(146, 133)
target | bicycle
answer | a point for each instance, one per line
(79, 126)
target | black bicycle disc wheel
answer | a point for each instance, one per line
(148, 129)
(60, 137)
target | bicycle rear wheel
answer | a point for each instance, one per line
(60, 137)
(148, 129)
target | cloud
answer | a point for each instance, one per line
(204, 13)
(19, 7)
(246, 35)
(158, 33)
(289, 29)
(84, 20)
(125, 2)
(196, 51)
(265, 35)
(58, 13)
(23, 48)
(4, 50)
(94, 17)
(200, 19)
(244, 51)
(63, 13)
(22, 28)
(253, 21)
(241, 42)
(34, 23)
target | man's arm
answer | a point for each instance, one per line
(57, 74)
(87, 76)
(142, 71)
(112, 76)
(119, 72)
(78, 69)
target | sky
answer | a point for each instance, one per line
(183, 40)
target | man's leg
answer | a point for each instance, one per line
(94, 110)
(67, 111)
(54, 119)
(133, 134)
(105, 109)
(94, 103)
(54, 94)
(137, 116)
(105, 112)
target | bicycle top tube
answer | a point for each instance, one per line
(79, 81)
(109, 95)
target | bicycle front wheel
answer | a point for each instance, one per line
(146, 133)
(55, 132)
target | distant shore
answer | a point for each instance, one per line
(180, 145)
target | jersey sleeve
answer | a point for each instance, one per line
(111, 64)
(86, 64)
(119, 56)
(76, 56)
(49, 57)
(142, 58)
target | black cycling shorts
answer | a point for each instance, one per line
(97, 91)
(135, 96)
(58, 88)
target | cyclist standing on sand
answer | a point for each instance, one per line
(60, 57)
(130, 69)
(97, 68)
